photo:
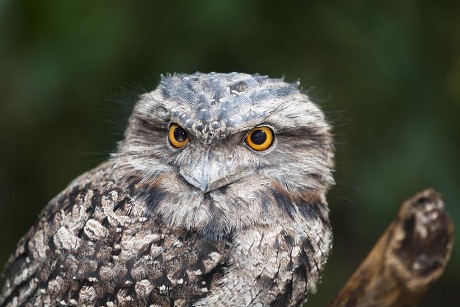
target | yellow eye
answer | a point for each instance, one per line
(177, 135)
(259, 138)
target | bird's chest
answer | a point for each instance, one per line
(144, 265)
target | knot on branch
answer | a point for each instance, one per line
(410, 255)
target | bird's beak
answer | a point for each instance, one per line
(209, 173)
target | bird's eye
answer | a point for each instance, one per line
(259, 138)
(177, 135)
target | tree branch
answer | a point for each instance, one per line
(410, 256)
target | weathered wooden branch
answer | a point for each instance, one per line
(410, 256)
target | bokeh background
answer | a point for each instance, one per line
(386, 72)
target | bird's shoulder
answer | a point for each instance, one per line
(96, 243)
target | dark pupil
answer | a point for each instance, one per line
(180, 135)
(258, 137)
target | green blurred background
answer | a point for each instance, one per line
(386, 72)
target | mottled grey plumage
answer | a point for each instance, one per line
(214, 223)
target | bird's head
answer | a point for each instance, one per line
(216, 152)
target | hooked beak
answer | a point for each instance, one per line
(208, 174)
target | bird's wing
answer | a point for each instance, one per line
(96, 244)
(24, 270)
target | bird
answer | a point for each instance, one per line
(215, 196)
